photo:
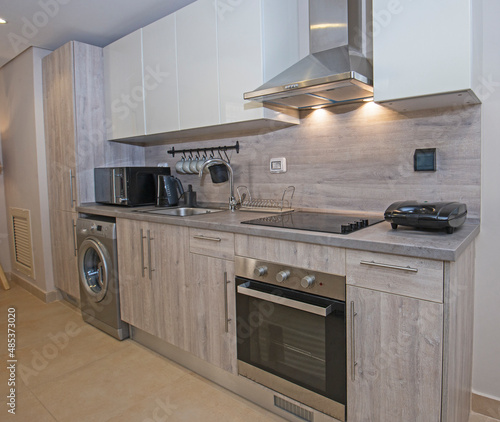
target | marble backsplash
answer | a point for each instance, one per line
(353, 157)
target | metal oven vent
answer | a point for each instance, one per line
(292, 408)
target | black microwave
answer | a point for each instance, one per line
(128, 186)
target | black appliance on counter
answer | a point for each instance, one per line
(427, 215)
(318, 222)
(128, 186)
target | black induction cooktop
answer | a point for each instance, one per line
(317, 222)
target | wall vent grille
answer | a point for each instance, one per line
(292, 408)
(21, 241)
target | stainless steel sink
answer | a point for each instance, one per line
(182, 211)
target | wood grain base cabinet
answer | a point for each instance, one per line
(151, 262)
(210, 311)
(395, 352)
(409, 337)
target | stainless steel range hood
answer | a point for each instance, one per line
(337, 70)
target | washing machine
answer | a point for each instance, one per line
(98, 275)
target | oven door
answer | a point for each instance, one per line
(294, 343)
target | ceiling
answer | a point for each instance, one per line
(51, 23)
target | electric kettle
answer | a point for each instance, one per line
(169, 191)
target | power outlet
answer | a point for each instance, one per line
(278, 165)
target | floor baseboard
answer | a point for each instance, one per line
(486, 406)
(46, 297)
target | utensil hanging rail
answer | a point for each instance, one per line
(191, 151)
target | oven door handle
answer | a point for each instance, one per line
(280, 300)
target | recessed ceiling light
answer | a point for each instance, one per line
(2, 20)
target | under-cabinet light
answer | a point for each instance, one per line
(2, 20)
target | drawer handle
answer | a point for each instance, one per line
(213, 239)
(394, 267)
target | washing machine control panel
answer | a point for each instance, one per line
(102, 229)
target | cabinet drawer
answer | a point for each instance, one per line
(211, 243)
(328, 259)
(407, 276)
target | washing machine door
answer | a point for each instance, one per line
(93, 267)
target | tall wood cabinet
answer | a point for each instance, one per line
(74, 117)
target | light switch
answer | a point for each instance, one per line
(278, 165)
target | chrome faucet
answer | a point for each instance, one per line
(232, 199)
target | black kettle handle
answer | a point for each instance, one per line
(179, 186)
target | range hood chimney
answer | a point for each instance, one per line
(337, 70)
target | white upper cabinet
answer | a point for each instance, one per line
(123, 81)
(240, 58)
(426, 48)
(197, 65)
(257, 39)
(161, 98)
(190, 70)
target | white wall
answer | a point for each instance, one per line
(4, 234)
(23, 150)
(486, 372)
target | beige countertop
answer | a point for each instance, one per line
(377, 238)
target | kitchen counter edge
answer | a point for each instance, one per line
(377, 238)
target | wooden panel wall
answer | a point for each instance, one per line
(355, 157)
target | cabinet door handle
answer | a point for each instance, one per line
(142, 252)
(394, 267)
(149, 255)
(74, 237)
(353, 344)
(71, 191)
(227, 320)
(213, 239)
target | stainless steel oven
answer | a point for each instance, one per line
(291, 331)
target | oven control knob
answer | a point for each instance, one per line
(282, 276)
(260, 271)
(307, 281)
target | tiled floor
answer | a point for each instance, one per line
(69, 371)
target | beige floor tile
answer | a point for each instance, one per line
(61, 353)
(102, 389)
(36, 320)
(28, 407)
(192, 398)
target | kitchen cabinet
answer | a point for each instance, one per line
(254, 44)
(152, 260)
(426, 51)
(64, 253)
(210, 317)
(73, 113)
(409, 335)
(124, 90)
(395, 350)
(197, 65)
(168, 82)
(327, 259)
(210, 327)
(161, 97)
(60, 128)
